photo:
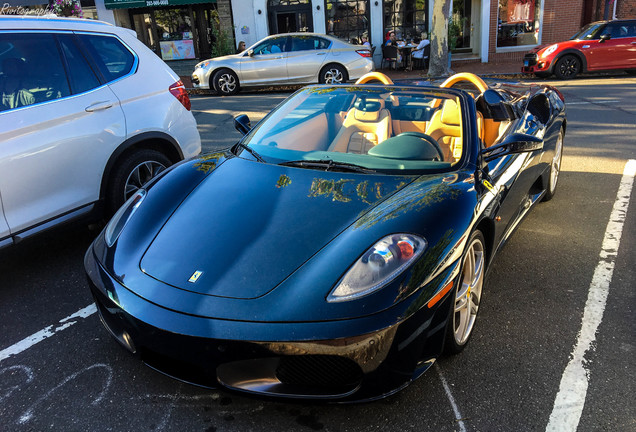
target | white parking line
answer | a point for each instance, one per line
(46, 333)
(570, 399)
(451, 399)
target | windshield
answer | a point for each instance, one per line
(590, 31)
(374, 127)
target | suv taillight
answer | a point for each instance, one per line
(364, 53)
(178, 90)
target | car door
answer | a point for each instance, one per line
(53, 149)
(617, 52)
(307, 55)
(266, 62)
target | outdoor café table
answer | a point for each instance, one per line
(405, 51)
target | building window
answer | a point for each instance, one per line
(519, 22)
(348, 19)
(407, 18)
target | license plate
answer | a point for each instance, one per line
(525, 63)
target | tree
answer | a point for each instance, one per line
(439, 64)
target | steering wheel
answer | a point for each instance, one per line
(466, 76)
(374, 76)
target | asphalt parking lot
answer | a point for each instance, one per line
(553, 348)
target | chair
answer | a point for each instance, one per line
(445, 128)
(390, 55)
(422, 63)
(366, 125)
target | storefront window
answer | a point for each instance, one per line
(519, 22)
(174, 27)
(407, 18)
(348, 19)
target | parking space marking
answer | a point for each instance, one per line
(47, 332)
(570, 398)
(451, 399)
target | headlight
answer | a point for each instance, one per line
(549, 50)
(203, 64)
(121, 218)
(378, 266)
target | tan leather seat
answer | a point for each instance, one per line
(366, 125)
(445, 128)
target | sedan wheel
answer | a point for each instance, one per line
(333, 74)
(567, 67)
(225, 82)
(555, 168)
(140, 175)
(467, 295)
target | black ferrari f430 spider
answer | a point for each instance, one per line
(340, 247)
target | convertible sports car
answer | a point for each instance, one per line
(340, 247)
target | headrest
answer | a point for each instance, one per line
(395, 101)
(450, 113)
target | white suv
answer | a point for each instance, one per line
(88, 114)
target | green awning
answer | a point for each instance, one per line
(129, 4)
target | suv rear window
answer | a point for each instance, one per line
(112, 58)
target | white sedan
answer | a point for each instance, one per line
(291, 58)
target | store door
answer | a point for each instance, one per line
(288, 19)
(466, 21)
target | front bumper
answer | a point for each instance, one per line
(532, 64)
(200, 79)
(237, 355)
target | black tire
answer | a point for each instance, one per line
(466, 295)
(542, 74)
(333, 74)
(225, 82)
(555, 168)
(130, 173)
(567, 67)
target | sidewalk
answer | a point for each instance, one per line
(505, 69)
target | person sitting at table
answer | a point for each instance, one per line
(365, 41)
(391, 39)
(418, 52)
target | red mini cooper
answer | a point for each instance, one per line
(602, 45)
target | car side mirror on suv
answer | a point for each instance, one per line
(605, 37)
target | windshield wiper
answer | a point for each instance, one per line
(251, 151)
(328, 164)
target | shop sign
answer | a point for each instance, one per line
(129, 4)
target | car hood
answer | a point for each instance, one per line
(250, 225)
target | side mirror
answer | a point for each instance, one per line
(250, 52)
(605, 37)
(242, 124)
(515, 143)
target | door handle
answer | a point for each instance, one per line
(99, 106)
(633, 43)
(321, 53)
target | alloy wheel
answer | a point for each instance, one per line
(227, 83)
(333, 76)
(468, 295)
(141, 175)
(569, 67)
